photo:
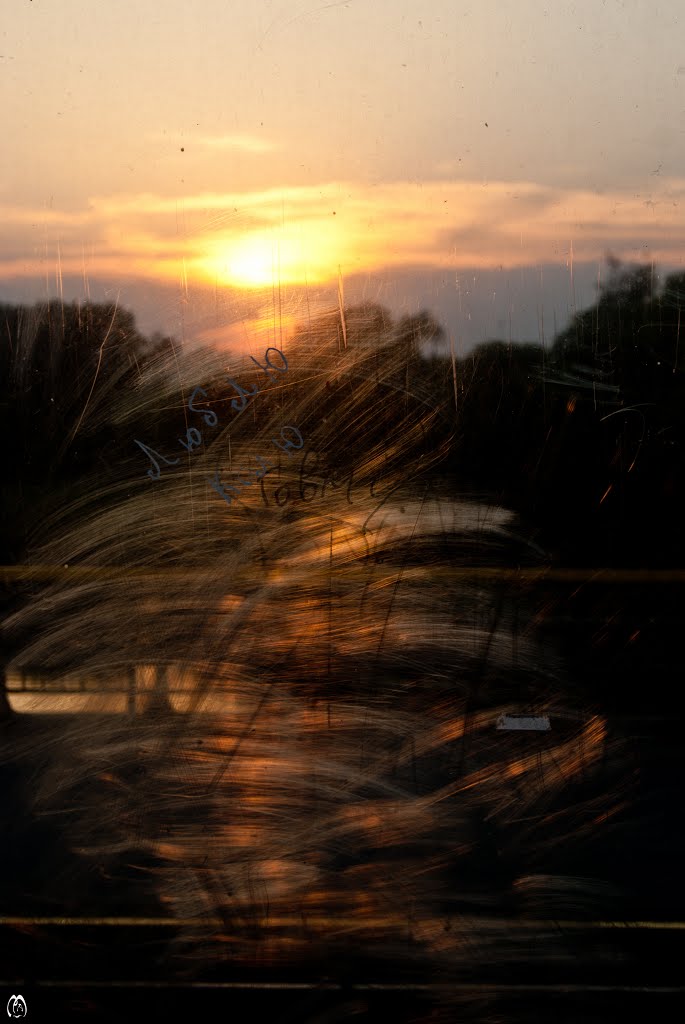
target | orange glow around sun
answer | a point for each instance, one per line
(261, 260)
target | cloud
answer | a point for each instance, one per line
(242, 143)
(317, 231)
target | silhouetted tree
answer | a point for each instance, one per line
(72, 401)
(587, 443)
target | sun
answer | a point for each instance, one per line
(258, 261)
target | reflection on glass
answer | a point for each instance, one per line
(402, 285)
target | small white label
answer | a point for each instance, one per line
(527, 723)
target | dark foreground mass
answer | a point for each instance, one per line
(274, 782)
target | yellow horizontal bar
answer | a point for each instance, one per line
(599, 575)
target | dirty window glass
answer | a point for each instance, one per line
(341, 521)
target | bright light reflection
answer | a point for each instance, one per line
(298, 256)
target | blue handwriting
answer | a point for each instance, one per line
(290, 437)
(193, 438)
(287, 446)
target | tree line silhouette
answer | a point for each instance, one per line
(584, 439)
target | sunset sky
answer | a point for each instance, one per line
(479, 160)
